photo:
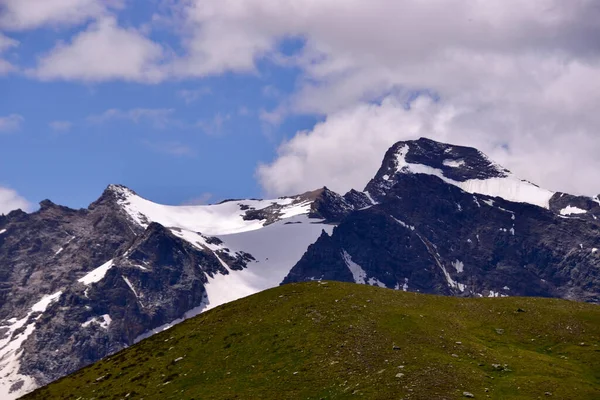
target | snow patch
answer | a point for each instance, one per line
(570, 210)
(376, 282)
(404, 224)
(405, 286)
(370, 198)
(594, 250)
(459, 266)
(2, 231)
(103, 321)
(509, 188)
(276, 247)
(96, 275)
(10, 350)
(454, 163)
(132, 289)
(358, 273)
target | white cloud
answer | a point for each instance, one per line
(215, 125)
(61, 126)
(157, 117)
(526, 81)
(11, 123)
(10, 200)
(191, 95)
(6, 43)
(30, 14)
(105, 51)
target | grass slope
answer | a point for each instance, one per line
(338, 341)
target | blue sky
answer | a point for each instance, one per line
(188, 139)
(180, 141)
(201, 100)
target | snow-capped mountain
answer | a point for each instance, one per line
(450, 221)
(77, 285)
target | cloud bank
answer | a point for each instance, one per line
(520, 80)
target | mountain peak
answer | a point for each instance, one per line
(458, 163)
(113, 194)
(465, 167)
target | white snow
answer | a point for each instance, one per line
(594, 250)
(358, 273)
(459, 266)
(58, 251)
(370, 198)
(405, 286)
(2, 231)
(96, 275)
(506, 288)
(404, 224)
(276, 247)
(454, 163)
(43, 304)
(376, 282)
(297, 209)
(212, 220)
(509, 188)
(489, 202)
(132, 289)
(10, 350)
(386, 177)
(570, 210)
(104, 321)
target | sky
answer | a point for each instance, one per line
(196, 101)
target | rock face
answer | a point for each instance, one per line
(77, 285)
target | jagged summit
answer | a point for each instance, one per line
(465, 167)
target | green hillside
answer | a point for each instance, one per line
(341, 341)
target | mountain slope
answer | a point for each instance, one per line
(334, 340)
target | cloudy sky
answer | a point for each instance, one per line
(193, 101)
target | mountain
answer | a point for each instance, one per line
(79, 285)
(328, 340)
(443, 224)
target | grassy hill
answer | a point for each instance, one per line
(341, 341)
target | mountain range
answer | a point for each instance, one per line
(79, 285)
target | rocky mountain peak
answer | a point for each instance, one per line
(112, 195)
(458, 163)
(465, 167)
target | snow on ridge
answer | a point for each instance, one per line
(97, 274)
(10, 350)
(276, 249)
(404, 224)
(570, 210)
(2, 231)
(358, 273)
(509, 187)
(215, 219)
(454, 163)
